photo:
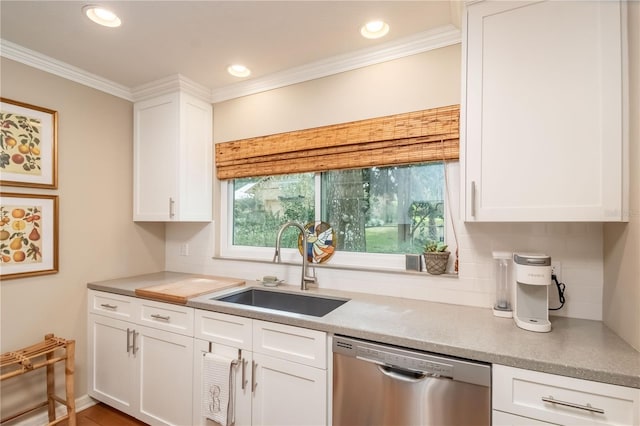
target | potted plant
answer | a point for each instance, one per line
(436, 257)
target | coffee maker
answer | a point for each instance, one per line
(533, 277)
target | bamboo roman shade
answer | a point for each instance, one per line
(414, 137)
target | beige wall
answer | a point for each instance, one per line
(98, 239)
(621, 302)
(427, 80)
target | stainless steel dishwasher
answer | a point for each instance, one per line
(380, 385)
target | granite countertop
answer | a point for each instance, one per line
(577, 348)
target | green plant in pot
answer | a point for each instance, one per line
(436, 257)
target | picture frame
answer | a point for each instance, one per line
(28, 145)
(28, 235)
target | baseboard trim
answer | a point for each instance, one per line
(42, 418)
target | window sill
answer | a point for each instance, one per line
(341, 267)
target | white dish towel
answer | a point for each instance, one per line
(217, 394)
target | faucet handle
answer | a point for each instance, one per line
(312, 279)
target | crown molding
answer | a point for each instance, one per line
(171, 84)
(428, 40)
(45, 63)
(440, 37)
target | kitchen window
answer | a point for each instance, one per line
(378, 213)
(379, 182)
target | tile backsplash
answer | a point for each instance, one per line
(578, 246)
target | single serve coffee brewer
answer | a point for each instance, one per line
(533, 277)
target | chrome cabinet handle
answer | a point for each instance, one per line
(587, 407)
(244, 373)
(473, 198)
(133, 346)
(128, 340)
(161, 317)
(254, 383)
(172, 204)
(108, 306)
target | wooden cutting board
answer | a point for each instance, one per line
(183, 290)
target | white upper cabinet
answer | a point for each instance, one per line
(172, 159)
(544, 111)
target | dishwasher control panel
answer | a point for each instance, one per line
(413, 361)
(404, 361)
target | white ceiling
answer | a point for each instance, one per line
(199, 39)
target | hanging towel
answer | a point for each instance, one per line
(218, 391)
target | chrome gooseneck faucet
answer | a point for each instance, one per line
(306, 279)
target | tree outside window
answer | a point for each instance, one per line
(375, 210)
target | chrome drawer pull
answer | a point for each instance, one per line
(160, 317)
(254, 383)
(473, 199)
(108, 306)
(244, 373)
(587, 407)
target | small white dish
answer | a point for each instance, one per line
(270, 283)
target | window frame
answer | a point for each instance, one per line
(342, 259)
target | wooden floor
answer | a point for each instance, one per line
(103, 415)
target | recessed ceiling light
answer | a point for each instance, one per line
(102, 16)
(238, 70)
(374, 29)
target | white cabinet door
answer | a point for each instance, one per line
(288, 393)
(111, 364)
(164, 375)
(242, 397)
(543, 116)
(196, 160)
(173, 164)
(155, 148)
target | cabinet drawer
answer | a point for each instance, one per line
(498, 418)
(531, 394)
(295, 344)
(165, 316)
(226, 329)
(112, 305)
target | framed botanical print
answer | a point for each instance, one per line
(28, 145)
(28, 235)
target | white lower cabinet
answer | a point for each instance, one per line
(141, 370)
(288, 393)
(523, 397)
(111, 363)
(164, 362)
(242, 384)
(285, 369)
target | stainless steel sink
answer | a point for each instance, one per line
(289, 302)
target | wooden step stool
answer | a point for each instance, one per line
(45, 354)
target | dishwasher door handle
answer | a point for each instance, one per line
(402, 374)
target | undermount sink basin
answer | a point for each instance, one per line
(290, 302)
